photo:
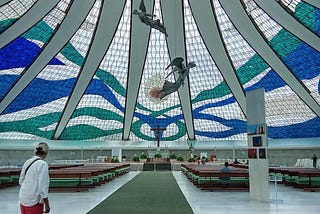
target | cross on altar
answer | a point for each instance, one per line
(158, 129)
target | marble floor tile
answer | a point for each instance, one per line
(287, 200)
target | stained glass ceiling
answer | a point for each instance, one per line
(83, 70)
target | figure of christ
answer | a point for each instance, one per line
(170, 87)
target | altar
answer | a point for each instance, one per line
(157, 159)
(158, 156)
(164, 153)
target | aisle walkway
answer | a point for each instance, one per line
(154, 192)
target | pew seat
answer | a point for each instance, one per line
(305, 181)
(211, 178)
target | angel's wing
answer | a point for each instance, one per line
(176, 62)
(142, 7)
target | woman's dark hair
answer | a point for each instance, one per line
(39, 151)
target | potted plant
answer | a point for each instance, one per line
(114, 159)
(136, 159)
(143, 156)
(173, 156)
(180, 158)
(192, 160)
(157, 155)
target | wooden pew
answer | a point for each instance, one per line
(69, 180)
(71, 177)
(209, 177)
(9, 177)
(313, 180)
(234, 180)
(82, 178)
(305, 178)
(60, 166)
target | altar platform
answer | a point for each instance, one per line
(158, 160)
(157, 166)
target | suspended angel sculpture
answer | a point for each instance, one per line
(147, 18)
(170, 87)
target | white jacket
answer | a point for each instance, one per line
(34, 184)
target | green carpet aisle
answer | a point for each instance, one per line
(149, 192)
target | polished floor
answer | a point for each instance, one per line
(289, 200)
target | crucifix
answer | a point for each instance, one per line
(158, 129)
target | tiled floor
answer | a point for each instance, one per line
(294, 201)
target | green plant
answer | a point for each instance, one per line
(180, 158)
(173, 156)
(114, 159)
(157, 155)
(143, 156)
(136, 159)
(192, 160)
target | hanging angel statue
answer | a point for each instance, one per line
(170, 87)
(147, 19)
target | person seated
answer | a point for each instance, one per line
(225, 169)
(198, 160)
(236, 161)
(203, 160)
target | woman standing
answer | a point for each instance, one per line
(34, 182)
